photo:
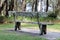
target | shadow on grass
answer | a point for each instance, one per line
(24, 32)
(49, 35)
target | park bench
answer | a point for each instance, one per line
(42, 25)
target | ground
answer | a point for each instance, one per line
(51, 35)
(28, 33)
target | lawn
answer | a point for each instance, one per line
(13, 35)
(11, 25)
(7, 35)
(56, 26)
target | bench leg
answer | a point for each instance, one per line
(18, 26)
(15, 28)
(43, 29)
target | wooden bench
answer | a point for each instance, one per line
(42, 25)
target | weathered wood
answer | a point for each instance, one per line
(42, 25)
(29, 14)
(46, 23)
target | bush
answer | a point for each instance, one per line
(2, 19)
(52, 15)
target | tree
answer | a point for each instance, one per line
(58, 3)
(33, 3)
(47, 4)
(41, 5)
(15, 5)
(36, 4)
(2, 6)
(0, 2)
(23, 5)
(6, 8)
(9, 7)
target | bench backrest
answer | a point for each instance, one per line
(30, 14)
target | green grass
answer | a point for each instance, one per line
(12, 35)
(58, 38)
(56, 26)
(29, 25)
(6, 35)
(9, 25)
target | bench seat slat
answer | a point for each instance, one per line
(46, 23)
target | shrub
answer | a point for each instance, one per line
(52, 15)
(2, 19)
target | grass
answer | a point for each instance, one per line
(56, 26)
(29, 25)
(12, 35)
(6, 35)
(58, 38)
(9, 25)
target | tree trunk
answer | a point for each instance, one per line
(47, 4)
(15, 5)
(36, 4)
(11, 6)
(23, 5)
(41, 6)
(58, 3)
(33, 2)
(2, 6)
(0, 2)
(6, 8)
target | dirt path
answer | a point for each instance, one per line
(51, 33)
